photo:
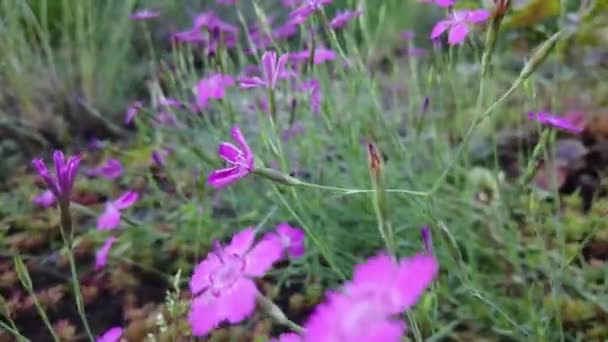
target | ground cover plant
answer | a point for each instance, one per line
(304, 170)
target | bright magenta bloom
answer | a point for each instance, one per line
(45, 199)
(288, 337)
(101, 257)
(240, 159)
(112, 335)
(212, 87)
(144, 14)
(440, 3)
(110, 218)
(459, 24)
(321, 55)
(555, 121)
(65, 174)
(112, 169)
(292, 239)
(272, 69)
(365, 310)
(222, 283)
(343, 18)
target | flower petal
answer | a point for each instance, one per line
(439, 28)
(224, 177)
(126, 200)
(268, 64)
(251, 82)
(458, 33)
(414, 276)
(200, 277)
(205, 314)
(239, 302)
(263, 255)
(241, 242)
(237, 135)
(477, 16)
(101, 257)
(229, 152)
(112, 335)
(279, 68)
(109, 219)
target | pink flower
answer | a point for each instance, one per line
(112, 169)
(440, 3)
(209, 20)
(144, 14)
(132, 111)
(158, 157)
(309, 7)
(555, 121)
(316, 96)
(288, 337)
(321, 55)
(45, 199)
(222, 283)
(110, 218)
(292, 239)
(458, 24)
(272, 69)
(292, 131)
(365, 310)
(212, 87)
(112, 335)
(65, 174)
(342, 18)
(101, 257)
(169, 102)
(240, 159)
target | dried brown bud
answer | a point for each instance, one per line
(374, 162)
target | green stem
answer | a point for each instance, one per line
(277, 314)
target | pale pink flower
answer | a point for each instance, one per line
(458, 24)
(239, 158)
(343, 18)
(101, 256)
(555, 121)
(367, 308)
(144, 14)
(111, 169)
(272, 68)
(112, 335)
(440, 3)
(110, 218)
(212, 87)
(292, 239)
(223, 285)
(45, 199)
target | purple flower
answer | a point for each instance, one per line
(288, 337)
(240, 159)
(101, 257)
(555, 121)
(158, 157)
(65, 174)
(408, 35)
(365, 310)
(271, 68)
(427, 239)
(209, 20)
(169, 102)
(321, 55)
(292, 3)
(316, 96)
(132, 111)
(112, 335)
(45, 199)
(110, 218)
(144, 14)
(292, 240)
(212, 87)
(309, 7)
(440, 3)
(292, 131)
(112, 169)
(222, 283)
(458, 24)
(342, 18)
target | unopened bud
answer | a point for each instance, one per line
(277, 176)
(539, 56)
(500, 8)
(374, 163)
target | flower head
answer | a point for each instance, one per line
(310, 6)
(272, 68)
(65, 174)
(222, 283)
(364, 310)
(316, 96)
(144, 14)
(212, 87)
(45, 199)
(111, 169)
(321, 55)
(112, 335)
(240, 159)
(292, 239)
(158, 157)
(132, 111)
(555, 121)
(458, 24)
(101, 257)
(343, 18)
(110, 218)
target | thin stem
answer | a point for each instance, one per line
(348, 191)
(414, 326)
(277, 314)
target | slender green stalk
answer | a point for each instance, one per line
(277, 314)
